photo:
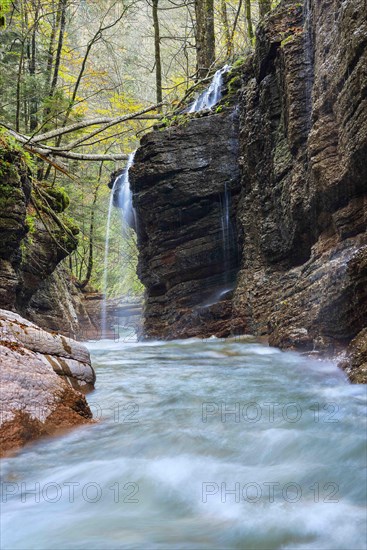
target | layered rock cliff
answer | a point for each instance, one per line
(186, 183)
(295, 166)
(33, 242)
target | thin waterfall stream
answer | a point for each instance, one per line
(212, 94)
(121, 185)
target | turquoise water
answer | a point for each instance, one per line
(200, 445)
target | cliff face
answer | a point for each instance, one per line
(296, 168)
(32, 245)
(186, 182)
(303, 200)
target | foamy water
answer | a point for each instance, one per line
(200, 445)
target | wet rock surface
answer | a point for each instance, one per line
(185, 181)
(303, 205)
(44, 377)
(355, 363)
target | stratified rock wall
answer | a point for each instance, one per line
(298, 185)
(185, 181)
(303, 206)
(32, 245)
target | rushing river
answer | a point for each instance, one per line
(200, 445)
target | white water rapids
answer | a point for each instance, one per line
(200, 445)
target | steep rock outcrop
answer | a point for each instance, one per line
(59, 306)
(43, 378)
(298, 184)
(185, 181)
(303, 209)
(33, 242)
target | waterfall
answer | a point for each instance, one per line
(212, 94)
(227, 248)
(121, 187)
(124, 194)
(225, 201)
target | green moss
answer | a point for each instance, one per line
(10, 147)
(31, 223)
(71, 224)
(175, 120)
(57, 197)
(238, 63)
(234, 84)
(287, 40)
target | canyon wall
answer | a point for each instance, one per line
(186, 184)
(303, 209)
(295, 166)
(33, 243)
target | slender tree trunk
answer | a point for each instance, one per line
(250, 29)
(62, 8)
(200, 38)
(264, 7)
(50, 51)
(225, 25)
(157, 52)
(205, 36)
(210, 33)
(91, 232)
(18, 92)
(33, 103)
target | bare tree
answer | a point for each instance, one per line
(157, 52)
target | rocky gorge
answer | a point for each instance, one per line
(286, 158)
(251, 219)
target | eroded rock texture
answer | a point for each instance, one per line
(43, 378)
(298, 185)
(32, 245)
(186, 184)
(303, 209)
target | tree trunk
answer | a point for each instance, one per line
(225, 25)
(33, 102)
(264, 7)
(18, 98)
(210, 33)
(200, 38)
(62, 8)
(205, 36)
(50, 51)
(157, 52)
(250, 30)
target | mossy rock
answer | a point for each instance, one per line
(56, 197)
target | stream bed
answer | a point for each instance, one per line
(200, 445)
